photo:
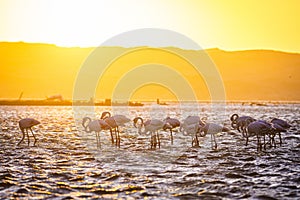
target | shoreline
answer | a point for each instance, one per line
(64, 103)
(130, 103)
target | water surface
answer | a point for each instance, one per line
(65, 163)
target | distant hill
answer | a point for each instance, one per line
(259, 74)
(40, 70)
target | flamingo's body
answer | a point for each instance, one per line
(97, 126)
(114, 122)
(190, 120)
(281, 123)
(25, 125)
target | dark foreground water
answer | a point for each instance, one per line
(65, 163)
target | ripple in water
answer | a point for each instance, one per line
(65, 163)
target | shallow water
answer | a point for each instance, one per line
(65, 163)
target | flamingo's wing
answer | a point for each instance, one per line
(103, 124)
(214, 128)
(281, 123)
(147, 122)
(157, 123)
(279, 128)
(192, 120)
(175, 122)
(94, 125)
(121, 119)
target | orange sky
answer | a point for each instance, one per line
(226, 24)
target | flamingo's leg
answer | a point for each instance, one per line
(213, 140)
(171, 136)
(23, 132)
(33, 137)
(118, 138)
(112, 137)
(158, 139)
(27, 135)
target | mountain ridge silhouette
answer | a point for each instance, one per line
(40, 69)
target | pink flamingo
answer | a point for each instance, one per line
(25, 125)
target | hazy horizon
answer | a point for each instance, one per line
(209, 48)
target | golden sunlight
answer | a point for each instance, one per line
(226, 24)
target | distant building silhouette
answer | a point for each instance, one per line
(55, 97)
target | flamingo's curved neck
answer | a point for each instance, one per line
(86, 125)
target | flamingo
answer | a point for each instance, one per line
(212, 129)
(96, 126)
(190, 126)
(114, 122)
(190, 120)
(25, 124)
(270, 129)
(241, 123)
(284, 126)
(276, 129)
(193, 129)
(260, 128)
(174, 123)
(151, 126)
